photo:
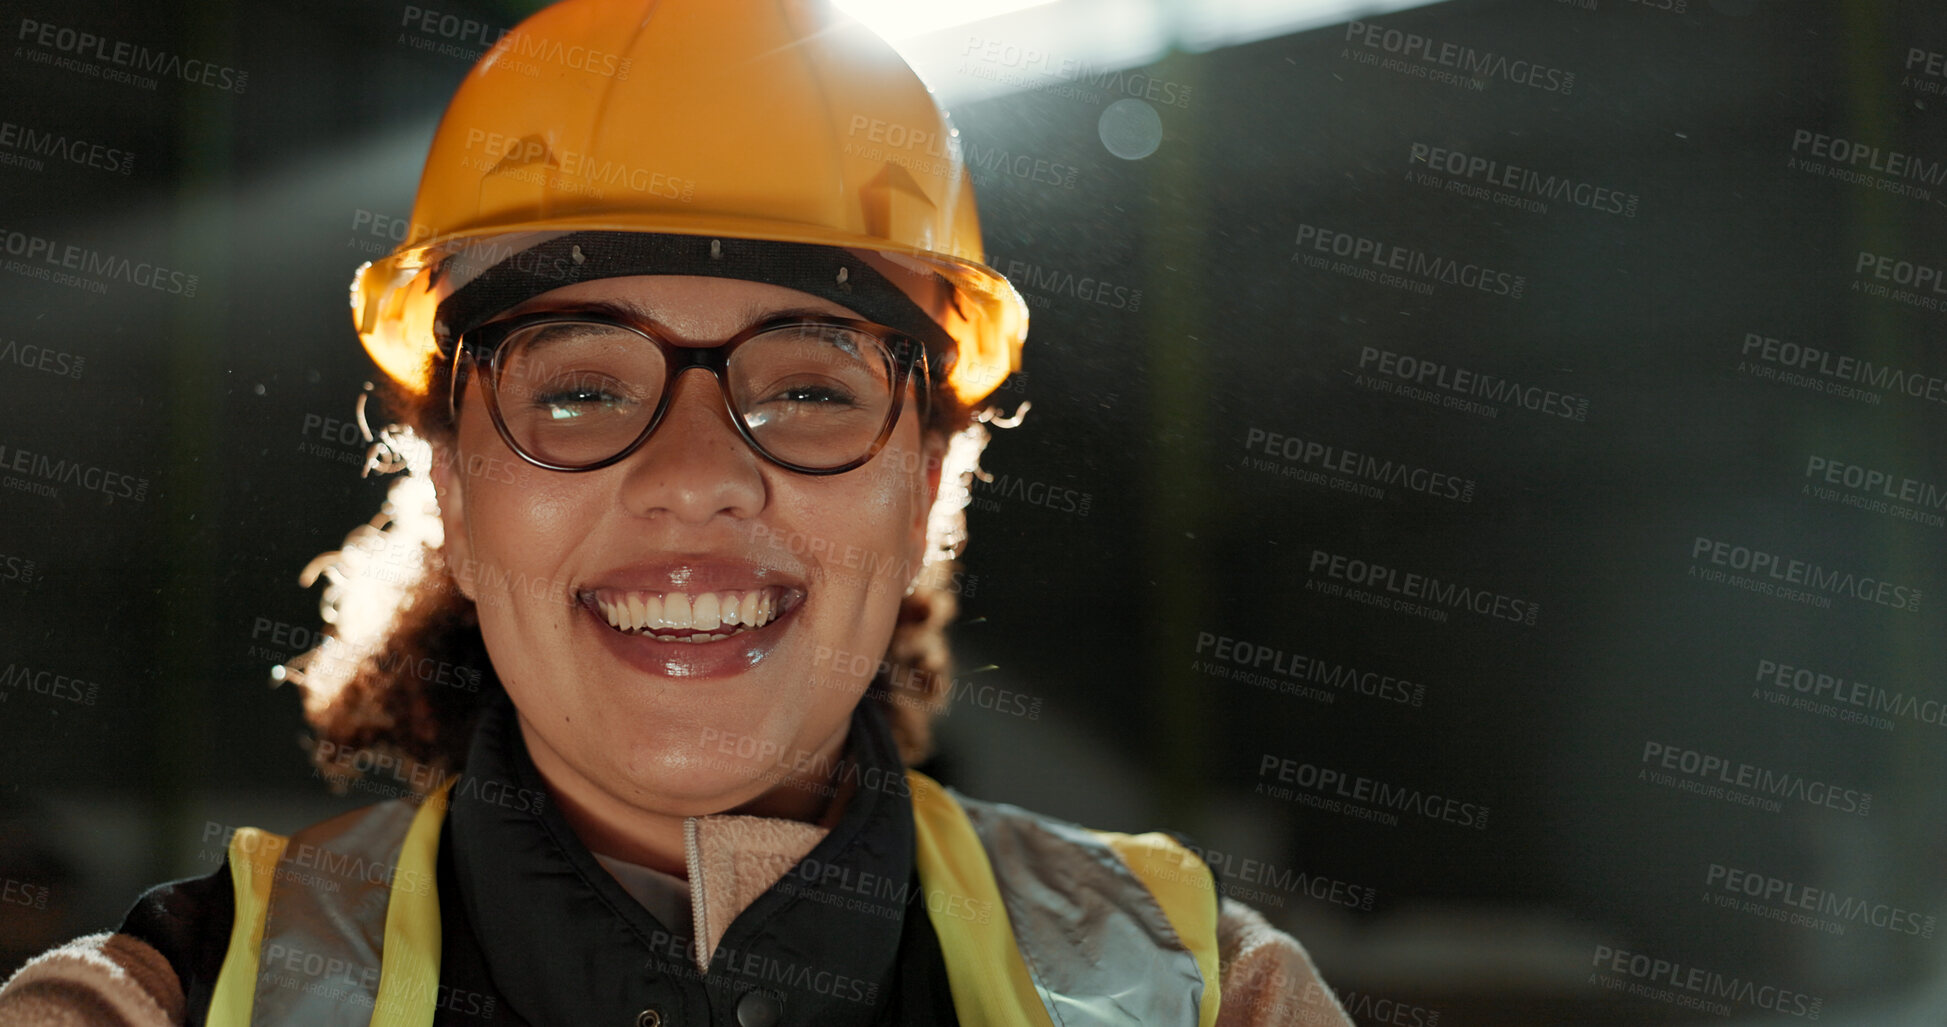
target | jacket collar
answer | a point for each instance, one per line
(565, 944)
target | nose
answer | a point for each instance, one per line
(695, 466)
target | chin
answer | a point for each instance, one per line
(716, 761)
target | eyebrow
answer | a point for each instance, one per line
(628, 310)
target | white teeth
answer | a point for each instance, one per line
(708, 617)
(676, 611)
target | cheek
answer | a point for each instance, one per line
(857, 530)
(521, 523)
(517, 513)
(533, 519)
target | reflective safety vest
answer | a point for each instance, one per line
(1101, 928)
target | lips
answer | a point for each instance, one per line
(693, 617)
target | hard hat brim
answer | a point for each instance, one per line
(394, 299)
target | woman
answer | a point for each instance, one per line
(677, 796)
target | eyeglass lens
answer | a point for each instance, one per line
(574, 393)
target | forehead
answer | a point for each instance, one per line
(687, 305)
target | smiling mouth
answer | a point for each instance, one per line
(692, 617)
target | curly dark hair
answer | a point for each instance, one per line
(401, 672)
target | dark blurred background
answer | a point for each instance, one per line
(1665, 299)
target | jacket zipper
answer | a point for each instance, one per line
(699, 918)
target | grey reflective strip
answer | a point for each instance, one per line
(1098, 945)
(325, 930)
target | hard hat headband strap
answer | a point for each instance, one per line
(827, 272)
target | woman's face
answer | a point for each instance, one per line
(696, 520)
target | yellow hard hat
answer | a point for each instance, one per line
(726, 121)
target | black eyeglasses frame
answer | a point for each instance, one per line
(482, 347)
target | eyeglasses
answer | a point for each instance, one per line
(581, 391)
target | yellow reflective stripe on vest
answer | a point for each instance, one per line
(990, 982)
(1183, 886)
(409, 938)
(409, 975)
(1151, 956)
(253, 865)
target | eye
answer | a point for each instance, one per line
(824, 395)
(576, 400)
